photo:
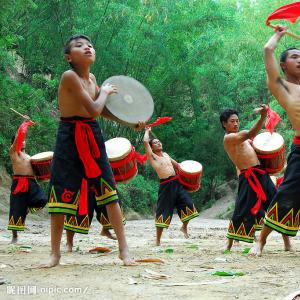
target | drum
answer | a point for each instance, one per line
(270, 151)
(190, 173)
(121, 155)
(131, 104)
(41, 165)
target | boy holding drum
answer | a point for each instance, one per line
(26, 194)
(80, 158)
(171, 193)
(284, 211)
(256, 189)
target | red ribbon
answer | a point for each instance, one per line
(272, 120)
(289, 12)
(87, 148)
(83, 200)
(176, 177)
(21, 134)
(160, 120)
(256, 187)
(22, 185)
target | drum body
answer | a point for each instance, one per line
(41, 165)
(121, 155)
(270, 151)
(190, 173)
(131, 104)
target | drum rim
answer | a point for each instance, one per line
(198, 172)
(128, 122)
(123, 155)
(49, 157)
(268, 151)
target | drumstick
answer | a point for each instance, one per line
(295, 36)
(24, 117)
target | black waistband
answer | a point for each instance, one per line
(168, 178)
(76, 118)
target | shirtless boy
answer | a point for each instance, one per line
(26, 195)
(252, 198)
(80, 157)
(284, 211)
(171, 193)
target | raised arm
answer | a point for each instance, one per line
(71, 82)
(276, 84)
(240, 137)
(149, 152)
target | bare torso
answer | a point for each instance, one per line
(162, 165)
(67, 106)
(21, 164)
(291, 104)
(241, 154)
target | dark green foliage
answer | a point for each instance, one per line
(196, 58)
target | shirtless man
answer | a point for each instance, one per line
(284, 211)
(171, 193)
(26, 195)
(249, 204)
(80, 158)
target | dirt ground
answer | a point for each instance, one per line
(188, 264)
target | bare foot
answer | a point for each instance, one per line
(184, 230)
(54, 261)
(125, 257)
(107, 233)
(14, 240)
(69, 247)
(257, 249)
(229, 244)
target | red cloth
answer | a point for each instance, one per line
(21, 134)
(141, 158)
(272, 120)
(87, 148)
(289, 12)
(296, 140)
(160, 120)
(83, 199)
(279, 181)
(256, 187)
(22, 185)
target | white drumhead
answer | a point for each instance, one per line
(132, 103)
(191, 166)
(42, 156)
(267, 143)
(117, 148)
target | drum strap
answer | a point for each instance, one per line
(22, 185)
(256, 187)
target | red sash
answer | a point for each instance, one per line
(22, 185)
(256, 187)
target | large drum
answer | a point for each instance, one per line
(41, 165)
(190, 173)
(131, 104)
(121, 155)
(270, 151)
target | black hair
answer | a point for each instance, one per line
(67, 47)
(226, 114)
(151, 142)
(284, 54)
